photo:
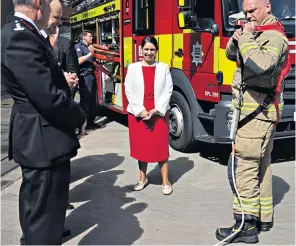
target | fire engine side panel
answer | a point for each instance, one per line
(175, 10)
(119, 86)
(163, 30)
(163, 17)
(97, 11)
(199, 60)
(225, 65)
(105, 9)
(178, 39)
(165, 43)
(199, 52)
(178, 46)
(99, 87)
(127, 42)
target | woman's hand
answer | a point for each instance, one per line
(151, 114)
(144, 113)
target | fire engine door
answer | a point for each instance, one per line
(193, 52)
(143, 15)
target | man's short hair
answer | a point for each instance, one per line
(28, 3)
(84, 33)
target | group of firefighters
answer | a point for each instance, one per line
(260, 49)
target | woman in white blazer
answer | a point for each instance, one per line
(148, 88)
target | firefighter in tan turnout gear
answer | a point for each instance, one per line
(261, 57)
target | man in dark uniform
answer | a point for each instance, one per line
(68, 62)
(42, 137)
(88, 94)
(67, 57)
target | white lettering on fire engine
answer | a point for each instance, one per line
(211, 94)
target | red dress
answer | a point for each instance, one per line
(149, 140)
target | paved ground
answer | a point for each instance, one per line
(6, 104)
(108, 211)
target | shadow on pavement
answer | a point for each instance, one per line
(279, 188)
(283, 150)
(89, 165)
(106, 214)
(113, 116)
(177, 168)
(119, 118)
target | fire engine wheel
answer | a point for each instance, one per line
(181, 131)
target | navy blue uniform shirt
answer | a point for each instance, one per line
(82, 50)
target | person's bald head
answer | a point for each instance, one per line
(55, 17)
(256, 10)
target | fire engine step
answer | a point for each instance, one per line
(290, 84)
(205, 116)
(206, 138)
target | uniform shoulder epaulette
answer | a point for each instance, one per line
(18, 26)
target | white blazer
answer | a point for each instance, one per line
(134, 88)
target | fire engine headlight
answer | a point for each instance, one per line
(229, 117)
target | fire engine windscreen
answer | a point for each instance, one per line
(284, 9)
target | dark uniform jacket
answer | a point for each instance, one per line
(43, 116)
(67, 56)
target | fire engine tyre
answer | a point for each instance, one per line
(181, 129)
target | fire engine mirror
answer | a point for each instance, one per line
(206, 25)
(184, 3)
(215, 29)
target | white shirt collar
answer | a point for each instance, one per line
(43, 33)
(20, 15)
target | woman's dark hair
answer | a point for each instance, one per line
(150, 39)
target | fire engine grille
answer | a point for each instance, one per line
(289, 89)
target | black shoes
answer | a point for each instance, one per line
(92, 126)
(248, 234)
(66, 232)
(22, 240)
(264, 226)
(70, 206)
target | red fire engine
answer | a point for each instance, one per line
(192, 36)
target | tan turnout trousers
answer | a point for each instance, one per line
(254, 144)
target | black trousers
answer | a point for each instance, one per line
(43, 202)
(88, 96)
